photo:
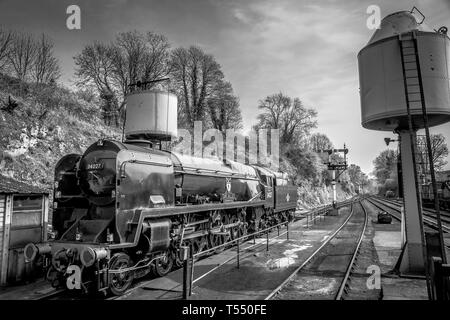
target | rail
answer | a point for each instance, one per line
(395, 206)
(277, 289)
(344, 282)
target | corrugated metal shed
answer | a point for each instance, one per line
(10, 185)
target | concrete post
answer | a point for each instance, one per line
(413, 259)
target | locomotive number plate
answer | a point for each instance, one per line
(94, 166)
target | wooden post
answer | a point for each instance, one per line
(238, 251)
(287, 230)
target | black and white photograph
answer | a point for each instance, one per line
(224, 158)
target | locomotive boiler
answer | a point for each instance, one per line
(124, 209)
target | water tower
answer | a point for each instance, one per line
(404, 75)
(151, 114)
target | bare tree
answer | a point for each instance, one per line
(95, 66)
(139, 57)
(129, 50)
(156, 58)
(224, 108)
(439, 151)
(385, 165)
(319, 141)
(195, 75)
(288, 115)
(46, 67)
(22, 55)
(132, 57)
(5, 47)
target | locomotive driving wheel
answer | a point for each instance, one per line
(119, 282)
(163, 265)
(216, 240)
(235, 231)
(199, 244)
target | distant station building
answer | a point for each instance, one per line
(23, 219)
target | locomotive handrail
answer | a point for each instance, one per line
(254, 197)
(215, 173)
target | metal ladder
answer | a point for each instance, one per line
(409, 54)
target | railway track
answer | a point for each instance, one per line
(355, 225)
(428, 216)
(445, 215)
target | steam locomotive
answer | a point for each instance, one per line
(124, 209)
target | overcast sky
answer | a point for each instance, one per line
(306, 49)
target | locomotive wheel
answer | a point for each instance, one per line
(235, 231)
(120, 282)
(199, 244)
(53, 277)
(216, 240)
(162, 266)
(242, 230)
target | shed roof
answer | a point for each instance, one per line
(10, 185)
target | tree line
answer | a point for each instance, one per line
(28, 57)
(204, 94)
(385, 164)
(195, 76)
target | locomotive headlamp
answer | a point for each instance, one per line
(109, 237)
(89, 255)
(78, 235)
(51, 234)
(31, 250)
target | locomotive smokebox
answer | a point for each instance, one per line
(152, 115)
(404, 62)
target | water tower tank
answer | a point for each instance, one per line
(151, 114)
(403, 62)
